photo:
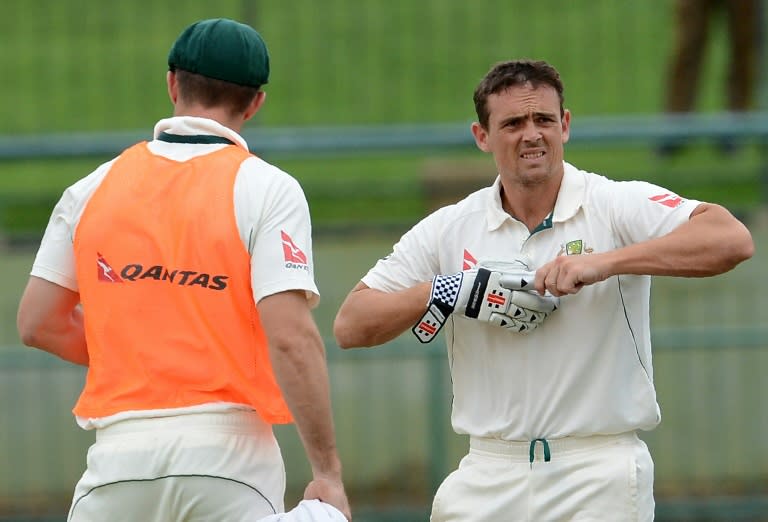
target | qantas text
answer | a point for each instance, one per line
(135, 272)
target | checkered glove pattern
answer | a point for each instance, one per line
(443, 300)
(446, 288)
(490, 295)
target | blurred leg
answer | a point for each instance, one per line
(743, 19)
(692, 25)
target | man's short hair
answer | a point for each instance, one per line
(513, 73)
(196, 89)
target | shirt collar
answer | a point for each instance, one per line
(194, 126)
(496, 215)
(570, 198)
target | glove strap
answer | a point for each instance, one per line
(445, 292)
(477, 294)
(431, 322)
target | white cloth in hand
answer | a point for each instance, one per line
(308, 511)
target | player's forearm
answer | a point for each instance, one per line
(371, 317)
(710, 243)
(64, 338)
(301, 372)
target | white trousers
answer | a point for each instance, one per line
(199, 467)
(590, 479)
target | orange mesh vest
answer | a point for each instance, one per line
(165, 286)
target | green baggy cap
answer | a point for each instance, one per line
(222, 49)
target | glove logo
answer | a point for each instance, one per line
(427, 327)
(496, 300)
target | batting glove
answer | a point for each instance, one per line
(488, 295)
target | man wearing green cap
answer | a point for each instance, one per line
(180, 273)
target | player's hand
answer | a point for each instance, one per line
(479, 294)
(331, 491)
(524, 309)
(566, 275)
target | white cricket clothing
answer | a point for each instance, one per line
(267, 202)
(605, 478)
(156, 470)
(308, 511)
(587, 369)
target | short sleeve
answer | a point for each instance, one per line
(414, 259)
(55, 259)
(274, 223)
(640, 211)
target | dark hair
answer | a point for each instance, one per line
(512, 73)
(210, 92)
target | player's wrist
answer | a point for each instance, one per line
(329, 468)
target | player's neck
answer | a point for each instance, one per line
(530, 205)
(217, 114)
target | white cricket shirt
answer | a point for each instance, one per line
(587, 369)
(272, 217)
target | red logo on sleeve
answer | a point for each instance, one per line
(292, 253)
(469, 261)
(668, 200)
(105, 272)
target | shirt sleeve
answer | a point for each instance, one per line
(641, 211)
(274, 223)
(414, 259)
(55, 259)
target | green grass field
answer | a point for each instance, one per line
(89, 65)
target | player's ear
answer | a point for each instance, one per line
(173, 86)
(566, 127)
(255, 105)
(481, 136)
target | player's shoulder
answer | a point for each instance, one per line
(602, 192)
(465, 209)
(84, 187)
(256, 172)
(597, 187)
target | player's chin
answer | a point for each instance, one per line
(534, 174)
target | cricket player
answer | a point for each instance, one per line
(541, 283)
(180, 273)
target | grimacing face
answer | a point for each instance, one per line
(525, 134)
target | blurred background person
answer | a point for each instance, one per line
(694, 21)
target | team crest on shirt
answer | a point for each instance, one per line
(575, 248)
(293, 255)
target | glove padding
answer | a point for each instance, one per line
(526, 308)
(487, 294)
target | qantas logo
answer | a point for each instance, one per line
(668, 200)
(136, 271)
(294, 257)
(469, 261)
(105, 272)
